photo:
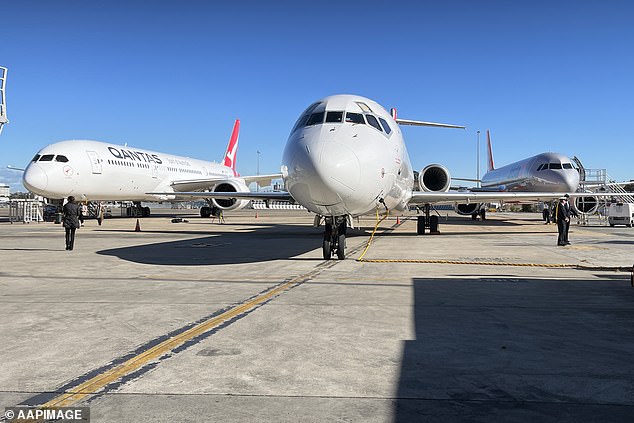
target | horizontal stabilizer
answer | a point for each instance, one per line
(421, 123)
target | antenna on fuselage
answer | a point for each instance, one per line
(3, 100)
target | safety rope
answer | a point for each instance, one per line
(486, 263)
(378, 222)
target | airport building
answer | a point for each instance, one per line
(4, 190)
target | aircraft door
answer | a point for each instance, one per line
(155, 171)
(95, 162)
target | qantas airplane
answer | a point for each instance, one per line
(545, 172)
(345, 157)
(98, 171)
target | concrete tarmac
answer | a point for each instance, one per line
(339, 341)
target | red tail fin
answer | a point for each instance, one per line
(491, 165)
(232, 148)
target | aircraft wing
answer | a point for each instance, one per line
(421, 197)
(264, 195)
(262, 180)
(186, 185)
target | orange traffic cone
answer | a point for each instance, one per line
(137, 228)
(398, 221)
(256, 215)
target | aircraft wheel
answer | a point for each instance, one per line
(341, 247)
(327, 249)
(205, 211)
(433, 223)
(420, 225)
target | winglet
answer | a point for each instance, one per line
(232, 148)
(491, 165)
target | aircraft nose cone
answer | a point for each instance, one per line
(35, 179)
(323, 173)
(569, 180)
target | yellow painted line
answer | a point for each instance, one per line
(100, 381)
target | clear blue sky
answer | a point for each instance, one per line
(172, 76)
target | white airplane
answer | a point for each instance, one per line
(545, 172)
(98, 171)
(346, 157)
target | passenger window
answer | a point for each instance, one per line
(61, 158)
(47, 157)
(334, 117)
(387, 128)
(36, 158)
(354, 118)
(315, 119)
(372, 121)
(555, 166)
(567, 166)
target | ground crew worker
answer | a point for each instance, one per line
(71, 212)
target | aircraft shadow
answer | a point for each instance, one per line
(274, 242)
(516, 349)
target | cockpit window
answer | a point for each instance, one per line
(304, 116)
(315, 118)
(387, 128)
(36, 158)
(310, 108)
(542, 166)
(300, 122)
(334, 117)
(373, 122)
(60, 158)
(354, 118)
(554, 166)
(364, 107)
(567, 166)
(47, 158)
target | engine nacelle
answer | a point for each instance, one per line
(230, 203)
(467, 209)
(587, 204)
(434, 178)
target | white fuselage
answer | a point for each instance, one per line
(97, 171)
(546, 172)
(340, 159)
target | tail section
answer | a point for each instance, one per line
(232, 148)
(3, 102)
(490, 163)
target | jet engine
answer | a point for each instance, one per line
(467, 209)
(586, 204)
(230, 203)
(434, 178)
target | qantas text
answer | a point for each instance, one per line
(135, 155)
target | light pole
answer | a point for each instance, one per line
(478, 159)
(258, 171)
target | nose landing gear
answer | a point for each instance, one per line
(335, 237)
